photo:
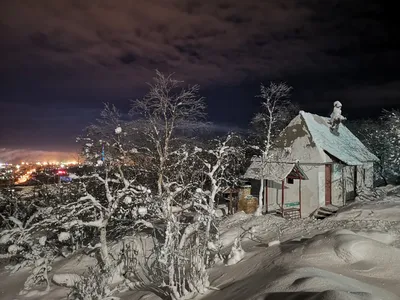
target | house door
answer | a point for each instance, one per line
(328, 184)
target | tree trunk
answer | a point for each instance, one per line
(159, 183)
(260, 198)
(104, 247)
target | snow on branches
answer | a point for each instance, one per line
(110, 185)
(148, 177)
(166, 110)
(221, 161)
(382, 137)
(276, 112)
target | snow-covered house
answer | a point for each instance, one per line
(312, 166)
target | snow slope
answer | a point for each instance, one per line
(320, 259)
(354, 255)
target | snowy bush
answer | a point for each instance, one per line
(236, 254)
(93, 286)
(64, 236)
(31, 249)
(39, 274)
(30, 235)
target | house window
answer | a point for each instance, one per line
(290, 180)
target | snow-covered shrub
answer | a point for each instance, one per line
(31, 235)
(93, 286)
(31, 248)
(25, 240)
(39, 273)
(236, 254)
(64, 236)
(177, 266)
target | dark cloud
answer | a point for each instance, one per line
(197, 39)
(79, 53)
(127, 58)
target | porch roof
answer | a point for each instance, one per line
(276, 171)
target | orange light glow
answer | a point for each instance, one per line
(25, 177)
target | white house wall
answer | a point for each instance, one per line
(274, 195)
(309, 190)
(298, 145)
(304, 152)
(292, 191)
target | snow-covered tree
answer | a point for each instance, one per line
(372, 135)
(166, 110)
(391, 121)
(187, 238)
(187, 179)
(382, 137)
(222, 160)
(276, 112)
(111, 183)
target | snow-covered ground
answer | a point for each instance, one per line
(353, 255)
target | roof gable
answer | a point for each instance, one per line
(343, 145)
(295, 144)
(293, 131)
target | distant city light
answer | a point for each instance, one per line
(25, 177)
(23, 171)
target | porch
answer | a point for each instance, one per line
(285, 197)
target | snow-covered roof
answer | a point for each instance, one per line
(343, 144)
(272, 170)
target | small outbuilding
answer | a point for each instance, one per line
(312, 166)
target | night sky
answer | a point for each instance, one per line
(61, 59)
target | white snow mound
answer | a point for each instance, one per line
(67, 280)
(64, 236)
(314, 283)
